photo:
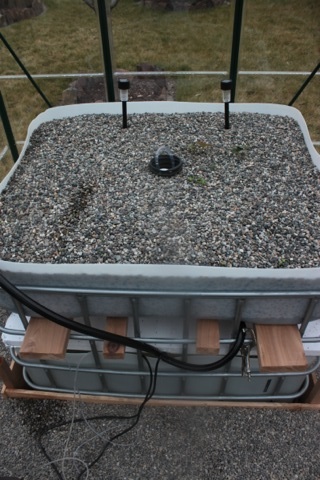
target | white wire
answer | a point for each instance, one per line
(96, 434)
(57, 460)
(73, 417)
(102, 436)
(65, 457)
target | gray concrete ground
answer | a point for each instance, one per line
(188, 443)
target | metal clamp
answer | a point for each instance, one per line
(245, 353)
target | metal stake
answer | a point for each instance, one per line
(8, 130)
(237, 26)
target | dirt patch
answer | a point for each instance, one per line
(12, 11)
(184, 5)
(149, 88)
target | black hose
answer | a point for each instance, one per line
(71, 324)
(215, 365)
(112, 337)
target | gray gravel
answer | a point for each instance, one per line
(195, 443)
(168, 443)
(247, 197)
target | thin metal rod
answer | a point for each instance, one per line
(237, 26)
(298, 394)
(226, 116)
(86, 318)
(124, 115)
(236, 324)
(137, 334)
(273, 72)
(279, 384)
(168, 374)
(8, 130)
(162, 73)
(186, 324)
(24, 69)
(47, 371)
(186, 308)
(105, 33)
(238, 315)
(305, 83)
(155, 340)
(21, 313)
(307, 316)
(174, 294)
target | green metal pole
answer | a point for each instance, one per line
(8, 130)
(305, 83)
(25, 71)
(237, 26)
(105, 33)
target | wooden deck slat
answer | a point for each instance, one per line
(117, 325)
(208, 337)
(45, 395)
(44, 340)
(280, 348)
(11, 376)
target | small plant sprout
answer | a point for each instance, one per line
(197, 180)
(281, 262)
(198, 146)
(240, 150)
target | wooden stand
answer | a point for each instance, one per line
(279, 349)
(11, 376)
(25, 393)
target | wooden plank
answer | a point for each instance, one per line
(312, 396)
(45, 395)
(208, 337)
(11, 376)
(117, 325)
(280, 348)
(44, 340)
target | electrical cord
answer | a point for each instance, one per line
(136, 417)
(144, 347)
(109, 442)
(127, 341)
(75, 381)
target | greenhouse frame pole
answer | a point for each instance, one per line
(8, 130)
(305, 83)
(237, 27)
(105, 33)
(24, 69)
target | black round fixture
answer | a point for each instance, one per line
(164, 163)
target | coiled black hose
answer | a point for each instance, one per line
(112, 337)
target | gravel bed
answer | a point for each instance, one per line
(168, 443)
(246, 197)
